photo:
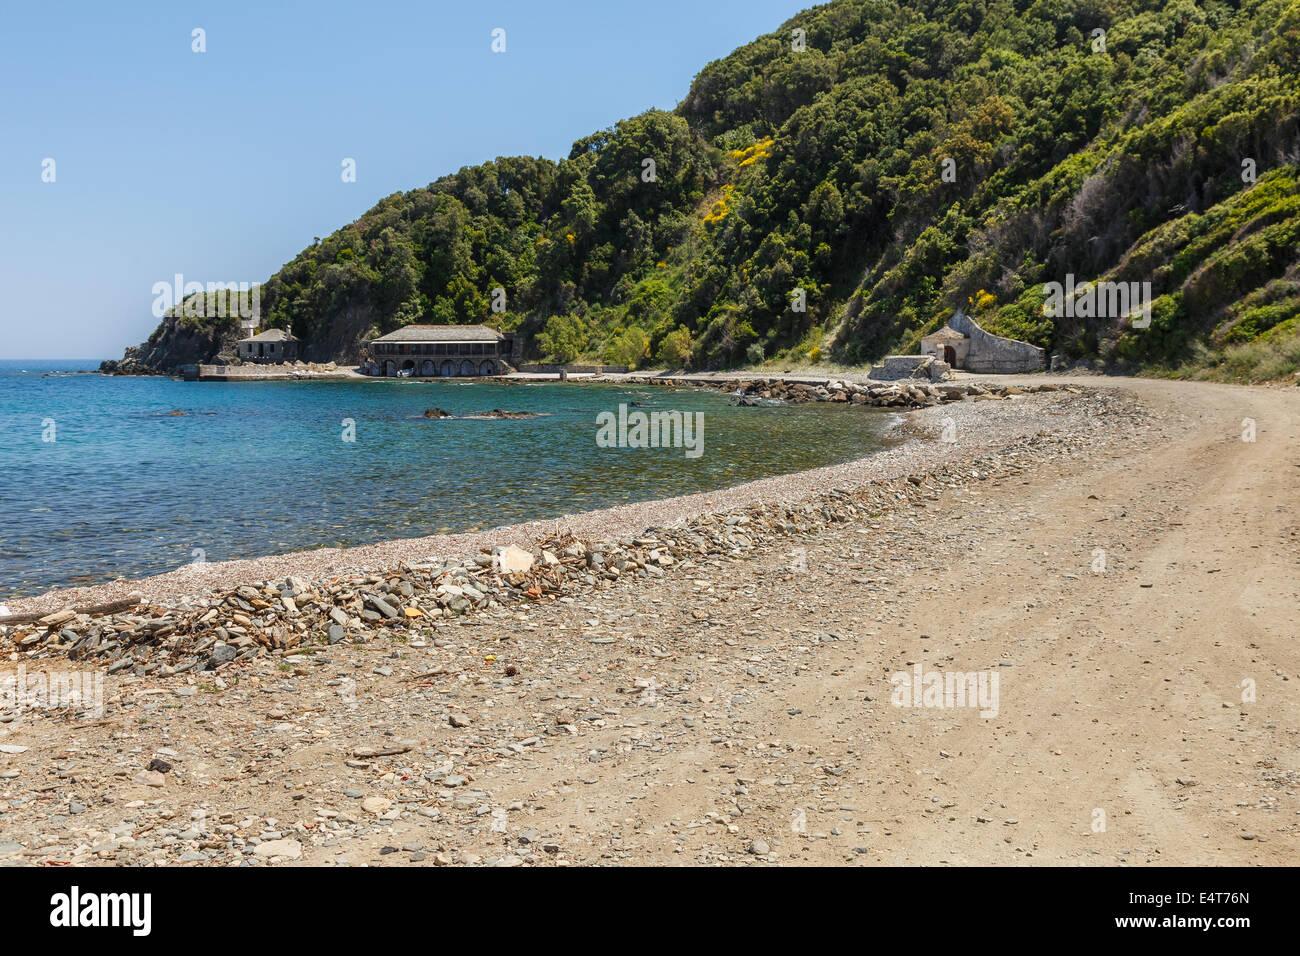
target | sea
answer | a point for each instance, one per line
(106, 477)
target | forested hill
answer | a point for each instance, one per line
(893, 159)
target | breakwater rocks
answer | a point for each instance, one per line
(765, 391)
(294, 617)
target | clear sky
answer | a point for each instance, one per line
(223, 165)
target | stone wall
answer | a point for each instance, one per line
(993, 353)
(294, 372)
(895, 367)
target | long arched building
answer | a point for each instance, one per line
(440, 351)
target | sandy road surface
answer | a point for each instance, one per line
(1120, 692)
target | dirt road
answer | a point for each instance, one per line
(1121, 692)
(1121, 734)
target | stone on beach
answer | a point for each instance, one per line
(289, 849)
(511, 559)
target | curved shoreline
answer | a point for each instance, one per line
(761, 656)
(985, 426)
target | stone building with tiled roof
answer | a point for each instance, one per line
(273, 345)
(439, 351)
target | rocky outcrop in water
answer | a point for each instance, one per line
(496, 413)
(501, 413)
(177, 342)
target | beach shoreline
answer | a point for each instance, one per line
(1119, 558)
(909, 456)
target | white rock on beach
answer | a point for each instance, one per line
(290, 849)
(510, 559)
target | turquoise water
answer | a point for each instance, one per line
(127, 489)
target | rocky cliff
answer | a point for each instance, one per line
(176, 342)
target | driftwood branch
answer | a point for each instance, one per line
(112, 607)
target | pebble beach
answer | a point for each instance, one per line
(982, 426)
(707, 680)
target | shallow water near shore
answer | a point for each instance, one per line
(127, 488)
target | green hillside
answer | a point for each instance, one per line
(893, 160)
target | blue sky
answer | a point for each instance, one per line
(223, 165)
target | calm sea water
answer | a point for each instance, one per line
(128, 489)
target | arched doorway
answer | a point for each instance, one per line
(467, 367)
(408, 365)
(485, 368)
(950, 355)
(390, 368)
(426, 367)
(448, 369)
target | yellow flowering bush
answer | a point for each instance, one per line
(722, 208)
(760, 150)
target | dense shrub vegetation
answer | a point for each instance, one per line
(913, 157)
